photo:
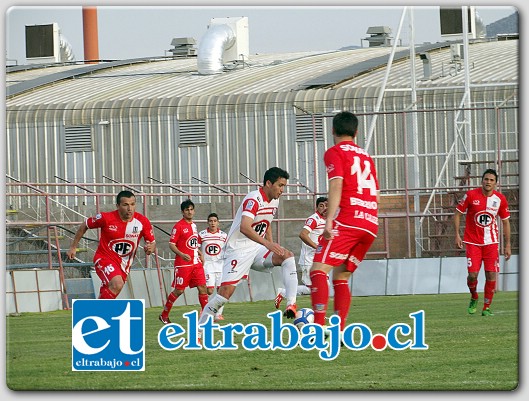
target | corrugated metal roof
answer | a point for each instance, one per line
(491, 63)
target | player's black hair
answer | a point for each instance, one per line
(345, 123)
(490, 171)
(213, 215)
(185, 204)
(321, 199)
(275, 173)
(124, 194)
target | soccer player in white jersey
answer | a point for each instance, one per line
(309, 235)
(483, 206)
(212, 241)
(250, 245)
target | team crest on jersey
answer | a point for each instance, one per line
(249, 205)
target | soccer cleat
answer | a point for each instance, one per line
(487, 312)
(219, 317)
(472, 306)
(290, 311)
(279, 298)
(164, 320)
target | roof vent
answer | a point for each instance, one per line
(380, 36)
(183, 47)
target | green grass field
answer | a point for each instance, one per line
(466, 352)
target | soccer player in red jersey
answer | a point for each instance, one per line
(121, 232)
(483, 206)
(188, 267)
(352, 218)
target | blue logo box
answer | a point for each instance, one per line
(108, 334)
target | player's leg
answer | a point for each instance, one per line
(235, 267)
(491, 265)
(197, 278)
(473, 254)
(361, 242)
(319, 293)
(267, 260)
(217, 277)
(180, 282)
(112, 278)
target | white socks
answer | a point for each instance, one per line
(290, 279)
(212, 308)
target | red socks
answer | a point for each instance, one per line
(319, 295)
(472, 287)
(342, 300)
(490, 287)
(169, 304)
(203, 299)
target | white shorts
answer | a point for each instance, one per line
(237, 264)
(213, 279)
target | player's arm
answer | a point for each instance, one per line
(83, 228)
(177, 251)
(304, 236)
(507, 236)
(457, 221)
(333, 203)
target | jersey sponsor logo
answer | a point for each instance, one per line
(351, 148)
(212, 249)
(192, 242)
(484, 219)
(261, 227)
(108, 335)
(122, 247)
(360, 202)
(339, 256)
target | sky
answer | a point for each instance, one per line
(146, 31)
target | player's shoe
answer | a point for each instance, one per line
(290, 311)
(472, 306)
(487, 312)
(219, 317)
(279, 298)
(164, 320)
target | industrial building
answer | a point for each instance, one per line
(433, 117)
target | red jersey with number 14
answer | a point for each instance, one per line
(481, 227)
(120, 239)
(358, 205)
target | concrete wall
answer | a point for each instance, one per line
(36, 290)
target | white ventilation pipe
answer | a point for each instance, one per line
(66, 51)
(211, 49)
